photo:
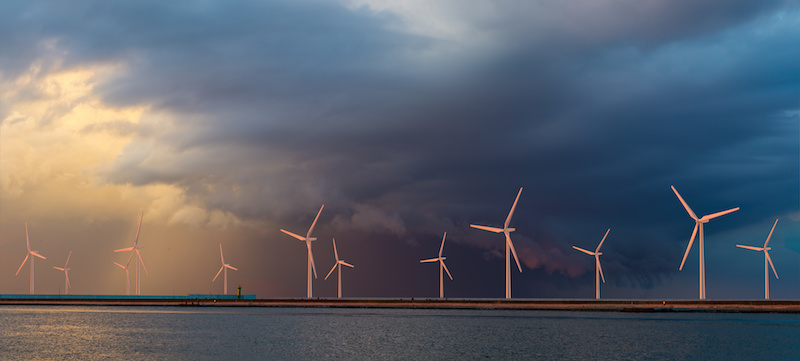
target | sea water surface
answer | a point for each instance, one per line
(249, 333)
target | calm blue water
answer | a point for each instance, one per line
(147, 333)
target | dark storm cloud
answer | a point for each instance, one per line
(267, 109)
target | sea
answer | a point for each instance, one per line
(255, 333)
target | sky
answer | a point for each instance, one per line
(223, 122)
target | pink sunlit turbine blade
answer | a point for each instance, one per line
(218, 272)
(770, 233)
(27, 241)
(769, 260)
(715, 215)
(300, 238)
(347, 264)
(335, 253)
(23, 263)
(429, 260)
(124, 249)
(442, 247)
(513, 207)
(583, 250)
(600, 268)
(602, 240)
(688, 210)
(37, 255)
(231, 267)
(446, 270)
(487, 228)
(311, 259)
(332, 269)
(142, 261)
(311, 229)
(750, 247)
(689, 247)
(513, 251)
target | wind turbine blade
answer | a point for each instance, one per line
(68, 256)
(446, 270)
(486, 228)
(142, 261)
(513, 251)
(347, 264)
(121, 266)
(129, 260)
(769, 259)
(715, 215)
(136, 240)
(27, 241)
(331, 271)
(58, 268)
(221, 257)
(442, 247)
(293, 235)
(124, 249)
(600, 268)
(750, 247)
(511, 213)
(311, 229)
(429, 260)
(689, 210)
(38, 255)
(770, 233)
(335, 254)
(689, 247)
(66, 274)
(601, 241)
(584, 251)
(217, 275)
(311, 258)
(23, 263)
(231, 267)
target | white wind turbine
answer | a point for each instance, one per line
(598, 270)
(308, 239)
(135, 249)
(442, 266)
(339, 263)
(224, 267)
(699, 226)
(66, 274)
(127, 275)
(767, 260)
(30, 253)
(509, 246)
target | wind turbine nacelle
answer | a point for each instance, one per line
(510, 230)
(311, 239)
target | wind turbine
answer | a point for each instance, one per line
(135, 249)
(224, 267)
(509, 246)
(308, 239)
(598, 270)
(699, 226)
(66, 274)
(30, 253)
(767, 260)
(127, 276)
(442, 266)
(339, 263)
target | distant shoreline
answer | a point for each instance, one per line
(735, 306)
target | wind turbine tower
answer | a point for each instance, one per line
(339, 263)
(225, 268)
(30, 253)
(598, 270)
(767, 260)
(66, 274)
(509, 246)
(135, 250)
(442, 266)
(698, 226)
(308, 239)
